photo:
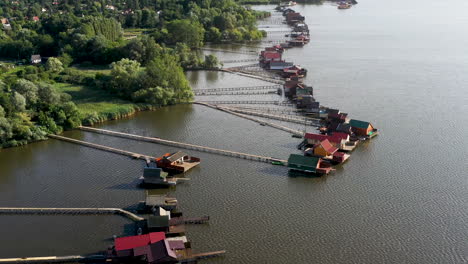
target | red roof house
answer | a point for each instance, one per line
(324, 149)
(314, 139)
(124, 243)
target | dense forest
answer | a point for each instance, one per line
(123, 54)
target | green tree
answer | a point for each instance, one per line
(19, 102)
(124, 76)
(27, 90)
(54, 65)
(189, 32)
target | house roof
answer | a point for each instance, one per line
(158, 221)
(321, 138)
(271, 55)
(341, 135)
(296, 159)
(359, 123)
(338, 154)
(327, 146)
(123, 243)
(35, 57)
(176, 244)
(155, 252)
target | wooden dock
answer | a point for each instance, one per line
(235, 93)
(190, 258)
(101, 147)
(249, 75)
(269, 102)
(184, 145)
(70, 211)
(280, 127)
(227, 89)
(189, 220)
(302, 121)
(51, 259)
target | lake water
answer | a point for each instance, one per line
(401, 198)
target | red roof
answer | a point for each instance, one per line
(318, 137)
(339, 154)
(341, 135)
(327, 146)
(36, 18)
(272, 55)
(156, 236)
(123, 243)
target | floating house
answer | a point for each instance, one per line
(158, 223)
(308, 164)
(325, 149)
(329, 152)
(270, 56)
(151, 248)
(177, 162)
(362, 128)
(294, 70)
(337, 140)
(153, 176)
(278, 65)
(155, 201)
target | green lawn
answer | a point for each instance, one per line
(90, 100)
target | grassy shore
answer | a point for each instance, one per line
(96, 105)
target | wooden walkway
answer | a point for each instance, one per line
(302, 121)
(184, 145)
(272, 102)
(236, 93)
(243, 60)
(70, 211)
(249, 75)
(101, 147)
(51, 259)
(245, 88)
(280, 127)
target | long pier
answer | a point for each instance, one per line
(231, 51)
(240, 60)
(249, 75)
(235, 93)
(302, 121)
(245, 88)
(280, 127)
(184, 145)
(271, 102)
(51, 259)
(101, 147)
(71, 211)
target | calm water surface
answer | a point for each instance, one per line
(401, 198)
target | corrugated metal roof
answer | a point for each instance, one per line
(296, 159)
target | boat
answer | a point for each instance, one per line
(344, 5)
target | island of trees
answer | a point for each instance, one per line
(64, 63)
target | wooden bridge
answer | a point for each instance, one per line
(236, 93)
(302, 121)
(71, 211)
(272, 102)
(262, 122)
(240, 60)
(249, 75)
(230, 51)
(101, 147)
(248, 88)
(184, 145)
